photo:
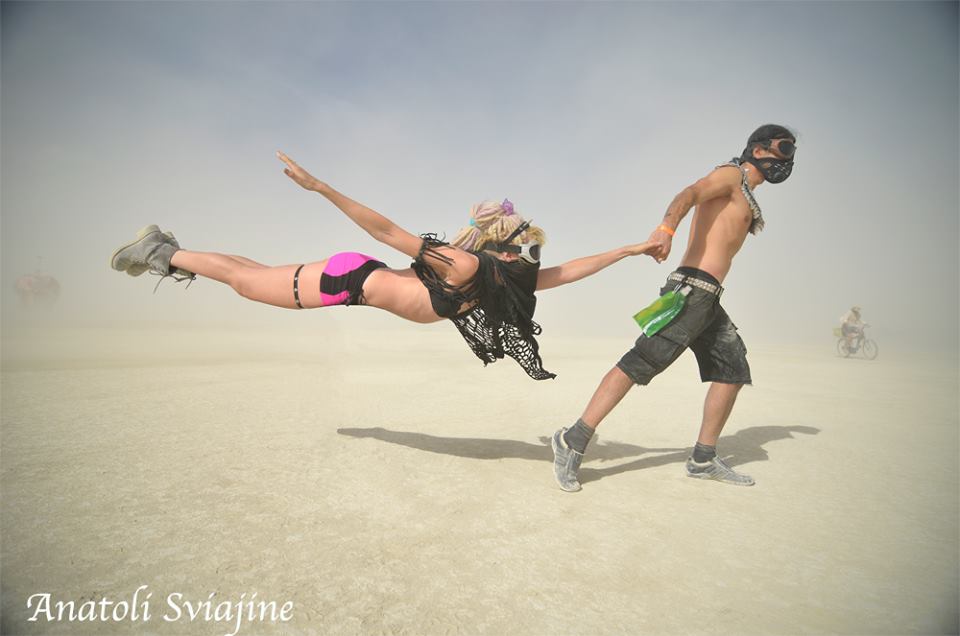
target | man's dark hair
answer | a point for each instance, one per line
(764, 134)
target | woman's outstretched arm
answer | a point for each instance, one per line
(576, 269)
(458, 267)
(376, 225)
(461, 266)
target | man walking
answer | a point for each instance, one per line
(725, 212)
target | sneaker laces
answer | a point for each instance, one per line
(179, 279)
(719, 462)
(728, 471)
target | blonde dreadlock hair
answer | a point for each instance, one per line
(492, 222)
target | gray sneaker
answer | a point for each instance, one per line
(566, 462)
(716, 469)
(150, 251)
(139, 268)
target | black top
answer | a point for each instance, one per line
(445, 298)
(501, 322)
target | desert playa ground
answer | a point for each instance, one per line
(388, 483)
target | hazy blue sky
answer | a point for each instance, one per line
(589, 116)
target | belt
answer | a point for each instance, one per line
(716, 290)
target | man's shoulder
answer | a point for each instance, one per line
(728, 171)
(727, 176)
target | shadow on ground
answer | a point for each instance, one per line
(742, 447)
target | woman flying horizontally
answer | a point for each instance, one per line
(483, 281)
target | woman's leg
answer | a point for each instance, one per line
(270, 285)
(243, 260)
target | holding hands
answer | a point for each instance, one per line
(647, 247)
(663, 238)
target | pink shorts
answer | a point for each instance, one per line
(342, 280)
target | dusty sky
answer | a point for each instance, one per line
(590, 117)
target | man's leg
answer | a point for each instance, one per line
(704, 463)
(716, 409)
(722, 358)
(614, 386)
(569, 444)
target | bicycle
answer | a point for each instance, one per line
(860, 344)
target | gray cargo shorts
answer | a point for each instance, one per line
(702, 326)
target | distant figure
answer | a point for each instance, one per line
(38, 288)
(851, 327)
(726, 212)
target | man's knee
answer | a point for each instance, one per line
(619, 377)
(648, 358)
(728, 387)
(723, 360)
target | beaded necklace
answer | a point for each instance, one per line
(757, 224)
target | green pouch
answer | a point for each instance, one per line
(662, 311)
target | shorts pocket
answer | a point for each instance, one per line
(674, 332)
(650, 356)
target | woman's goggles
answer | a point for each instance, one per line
(530, 252)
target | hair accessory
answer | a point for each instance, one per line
(473, 222)
(507, 207)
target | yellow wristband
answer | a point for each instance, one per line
(667, 229)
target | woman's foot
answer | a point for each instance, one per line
(151, 250)
(136, 270)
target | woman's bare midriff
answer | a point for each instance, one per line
(401, 292)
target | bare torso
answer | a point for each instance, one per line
(401, 292)
(717, 232)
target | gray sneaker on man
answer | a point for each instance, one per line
(566, 462)
(716, 469)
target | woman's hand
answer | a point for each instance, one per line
(303, 178)
(647, 247)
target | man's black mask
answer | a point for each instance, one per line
(773, 170)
